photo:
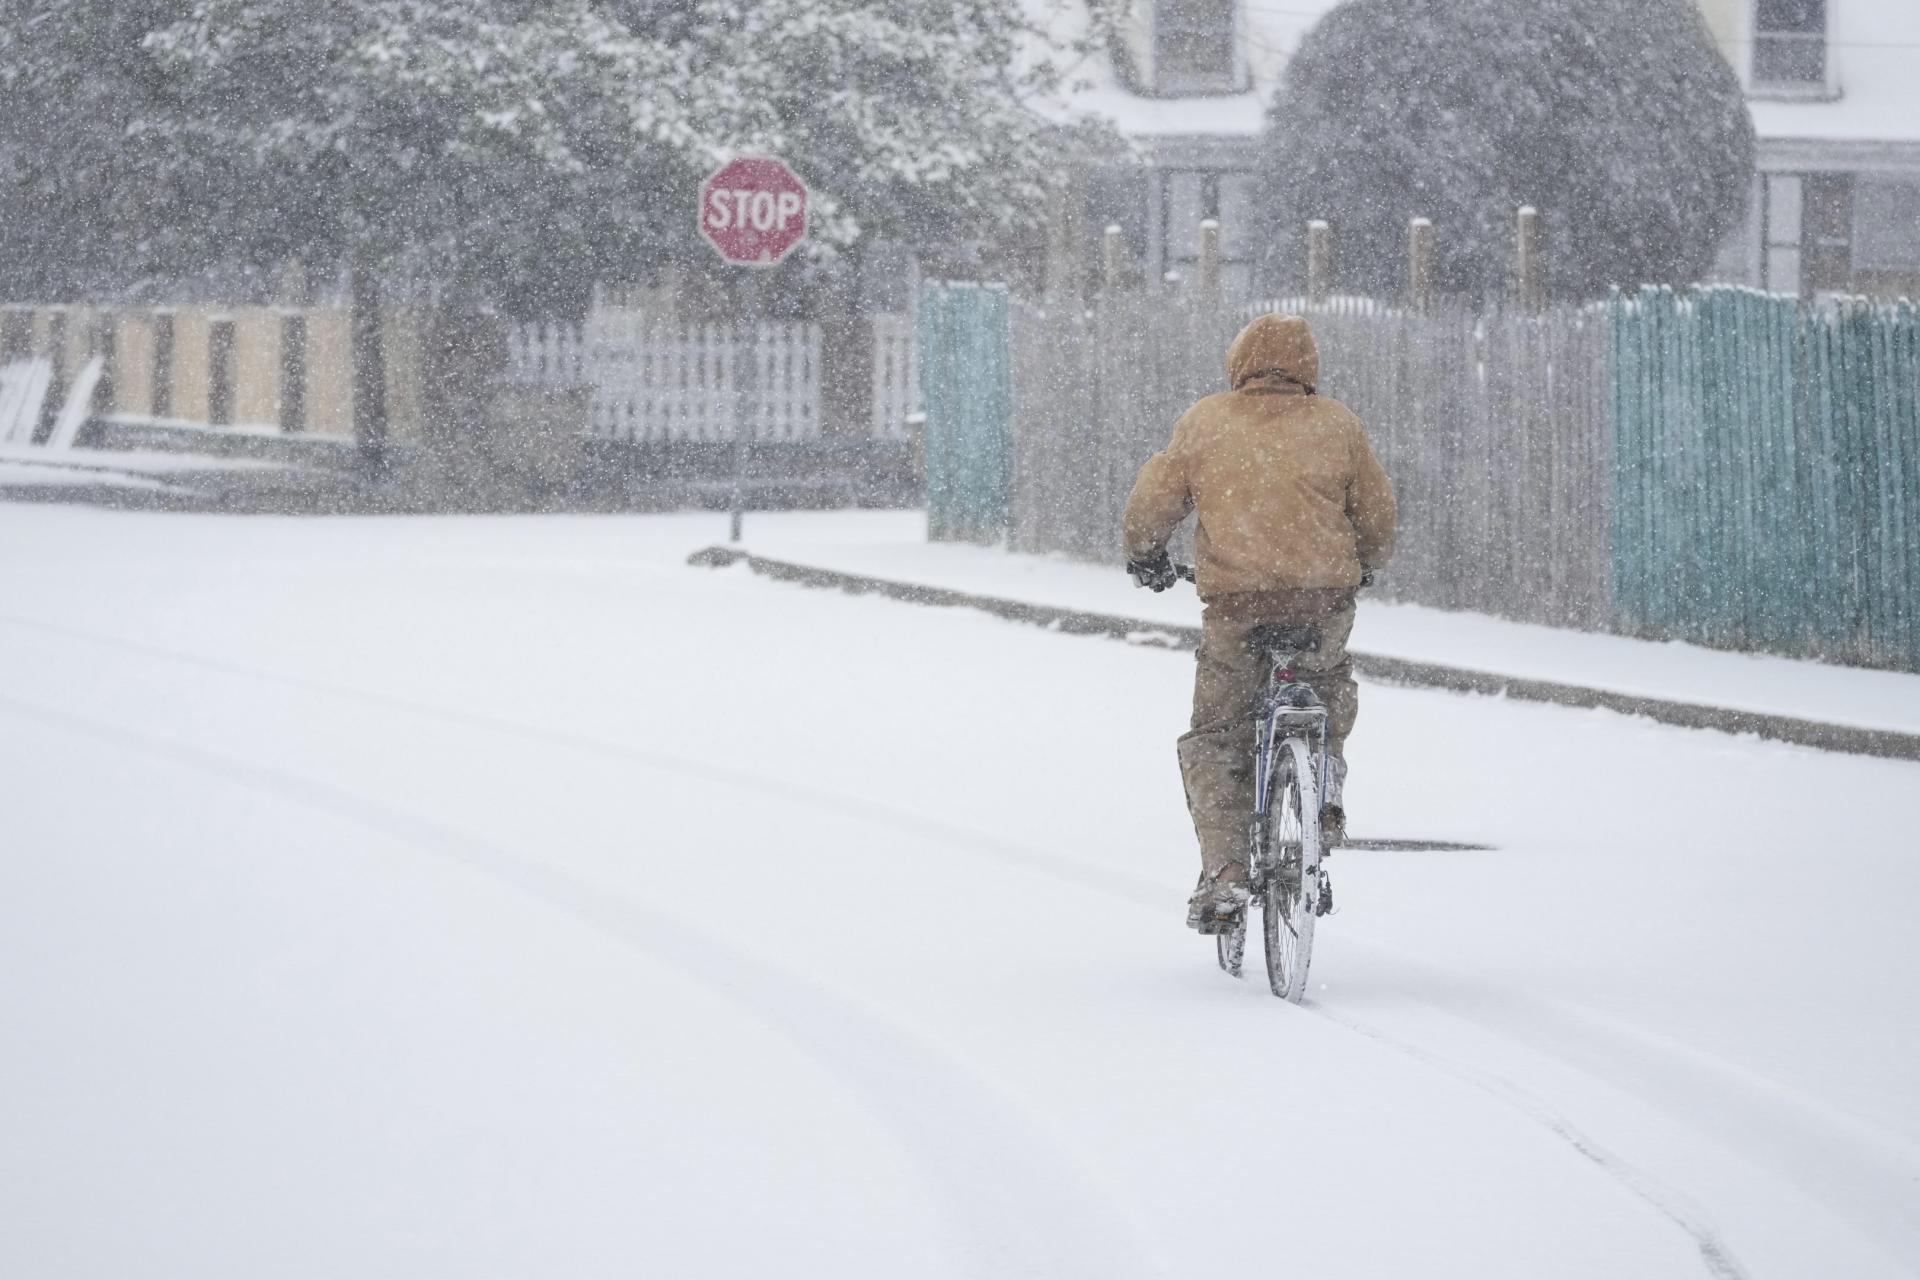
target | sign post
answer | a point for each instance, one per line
(746, 402)
(753, 211)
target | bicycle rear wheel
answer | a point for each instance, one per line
(1293, 859)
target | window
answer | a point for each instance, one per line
(1886, 224)
(1186, 196)
(1193, 46)
(1790, 43)
(1826, 255)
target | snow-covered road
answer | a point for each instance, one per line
(503, 897)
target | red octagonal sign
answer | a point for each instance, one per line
(754, 211)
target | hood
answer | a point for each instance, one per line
(1274, 343)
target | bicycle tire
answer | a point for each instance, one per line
(1293, 853)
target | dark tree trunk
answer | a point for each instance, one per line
(369, 372)
(846, 356)
(462, 367)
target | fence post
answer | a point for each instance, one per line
(1111, 250)
(1526, 259)
(1319, 259)
(1210, 258)
(1419, 263)
(1063, 243)
(966, 381)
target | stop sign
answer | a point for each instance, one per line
(754, 211)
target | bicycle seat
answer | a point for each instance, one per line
(1284, 639)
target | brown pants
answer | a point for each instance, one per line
(1216, 754)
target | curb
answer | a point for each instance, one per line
(1886, 744)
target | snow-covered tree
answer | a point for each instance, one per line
(1619, 121)
(71, 78)
(527, 145)
(510, 153)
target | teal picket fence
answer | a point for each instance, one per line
(966, 386)
(1766, 473)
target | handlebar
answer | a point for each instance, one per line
(1185, 571)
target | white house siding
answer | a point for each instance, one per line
(1196, 153)
(1190, 180)
(1833, 205)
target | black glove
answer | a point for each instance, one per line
(1154, 573)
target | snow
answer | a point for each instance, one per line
(445, 897)
(1094, 89)
(115, 469)
(1873, 47)
(893, 546)
(134, 468)
(39, 474)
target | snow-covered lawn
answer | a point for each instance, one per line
(454, 898)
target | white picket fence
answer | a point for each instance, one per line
(678, 382)
(659, 382)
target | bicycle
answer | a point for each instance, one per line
(1284, 874)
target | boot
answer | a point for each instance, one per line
(1219, 900)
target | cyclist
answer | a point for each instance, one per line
(1294, 515)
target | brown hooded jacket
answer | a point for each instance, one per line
(1287, 488)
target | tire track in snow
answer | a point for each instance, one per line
(1864, 1177)
(1025, 1218)
(1669, 1202)
(1137, 892)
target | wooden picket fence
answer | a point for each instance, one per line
(1493, 428)
(1723, 466)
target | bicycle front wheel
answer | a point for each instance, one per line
(1293, 869)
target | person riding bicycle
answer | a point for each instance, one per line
(1294, 515)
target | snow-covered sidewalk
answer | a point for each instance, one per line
(145, 470)
(893, 546)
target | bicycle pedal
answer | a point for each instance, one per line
(1323, 905)
(1212, 926)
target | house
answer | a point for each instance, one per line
(1835, 92)
(1188, 83)
(1834, 87)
